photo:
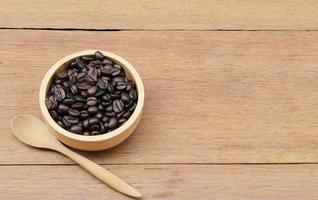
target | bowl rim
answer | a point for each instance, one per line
(52, 70)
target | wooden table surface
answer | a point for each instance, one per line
(231, 108)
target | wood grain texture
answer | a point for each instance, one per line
(218, 182)
(211, 97)
(150, 14)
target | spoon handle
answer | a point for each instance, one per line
(101, 173)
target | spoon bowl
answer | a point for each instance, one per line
(33, 132)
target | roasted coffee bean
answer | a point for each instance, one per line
(121, 120)
(78, 105)
(92, 109)
(92, 90)
(54, 114)
(107, 69)
(133, 94)
(68, 102)
(107, 62)
(62, 109)
(83, 86)
(91, 96)
(132, 107)
(81, 76)
(94, 128)
(99, 55)
(93, 121)
(105, 119)
(84, 94)
(85, 123)
(62, 74)
(99, 115)
(92, 75)
(110, 114)
(74, 112)
(80, 63)
(59, 93)
(60, 124)
(118, 106)
(73, 120)
(76, 129)
(116, 70)
(113, 123)
(125, 97)
(65, 122)
(74, 89)
(84, 114)
(121, 85)
(91, 101)
(127, 114)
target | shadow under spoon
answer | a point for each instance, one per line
(34, 132)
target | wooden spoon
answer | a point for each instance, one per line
(34, 132)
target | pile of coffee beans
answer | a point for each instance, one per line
(91, 96)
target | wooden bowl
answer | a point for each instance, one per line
(96, 142)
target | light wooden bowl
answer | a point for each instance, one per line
(96, 142)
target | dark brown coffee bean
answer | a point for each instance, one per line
(74, 89)
(116, 70)
(85, 123)
(76, 129)
(91, 101)
(54, 114)
(101, 84)
(107, 69)
(79, 98)
(74, 112)
(118, 106)
(49, 103)
(58, 81)
(84, 114)
(96, 133)
(60, 124)
(110, 114)
(81, 76)
(80, 63)
(109, 108)
(73, 120)
(92, 109)
(65, 122)
(59, 93)
(92, 75)
(127, 114)
(130, 85)
(113, 123)
(125, 97)
(101, 107)
(133, 94)
(99, 55)
(119, 115)
(62, 109)
(106, 103)
(102, 127)
(88, 58)
(105, 119)
(115, 96)
(121, 120)
(99, 115)
(106, 97)
(86, 133)
(92, 90)
(68, 102)
(83, 86)
(99, 93)
(132, 107)
(93, 121)
(94, 128)
(78, 105)
(62, 74)
(117, 79)
(121, 85)
(84, 94)
(107, 62)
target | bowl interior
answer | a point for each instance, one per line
(62, 64)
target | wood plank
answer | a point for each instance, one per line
(211, 97)
(192, 14)
(288, 182)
